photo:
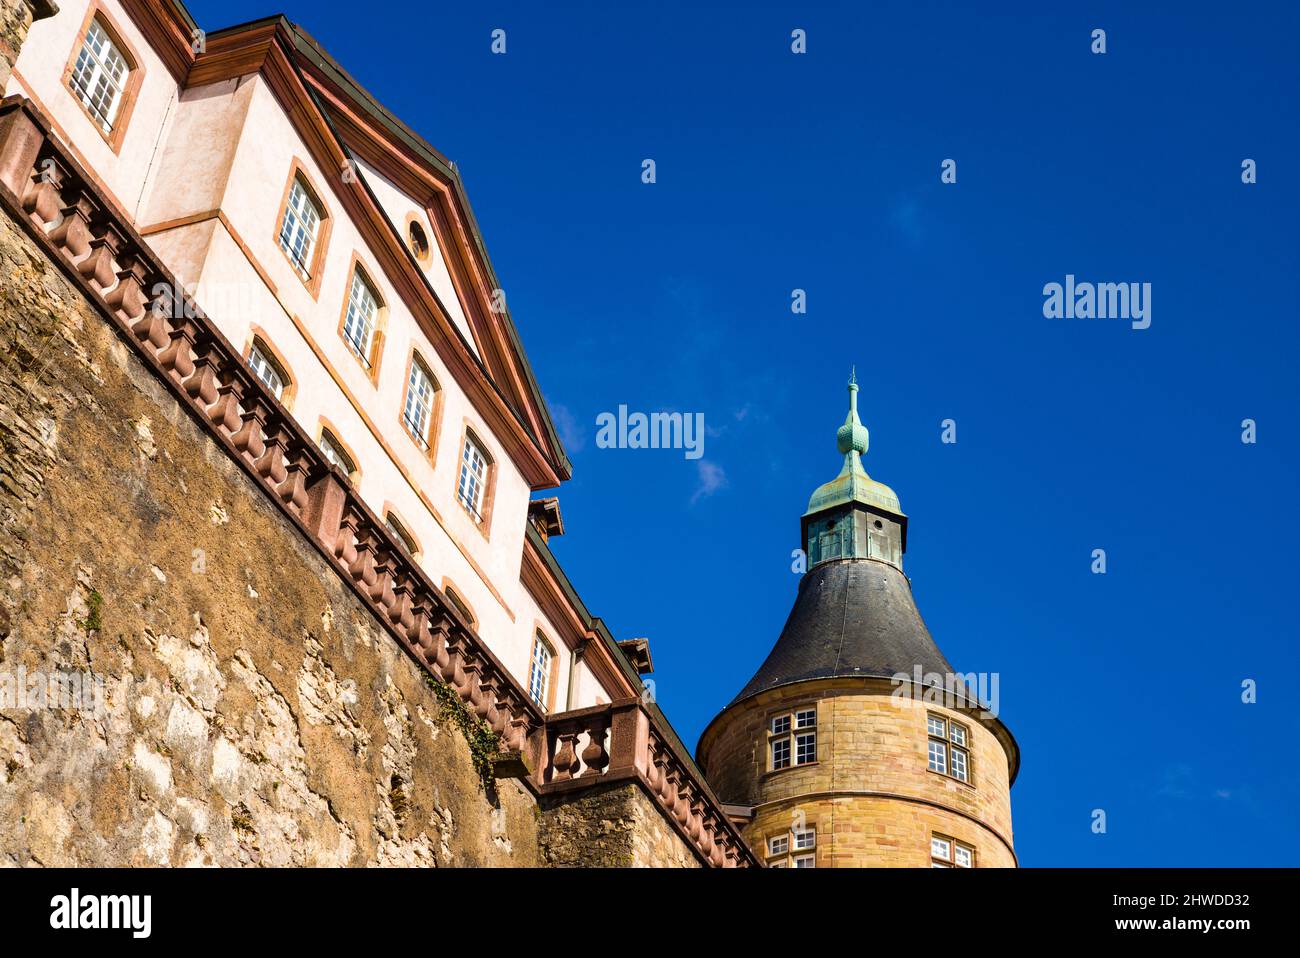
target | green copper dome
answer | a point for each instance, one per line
(853, 484)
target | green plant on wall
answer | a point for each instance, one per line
(483, 742)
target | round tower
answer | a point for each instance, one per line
(856, 744)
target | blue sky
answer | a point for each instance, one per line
(821, 172)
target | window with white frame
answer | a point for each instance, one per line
(539, 671)
(298, 231)
(99, 75)
(417, 412)
(473, 478)
(792, 738)
(361, 318)
(948, 748)
(332, 449)
(266, 369)
(948, 853)
(793, 849)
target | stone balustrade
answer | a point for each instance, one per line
(44, 187)
(621, 741)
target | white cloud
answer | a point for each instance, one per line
(712, 478)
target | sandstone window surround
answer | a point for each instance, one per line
(796, 848)
(269, 366)
(338, 453)
(303, 227)
(541, 672)
(454, 597)
(422, 405)
(417, 240)
(362, 322)
(947, 852)
(948, 748)
(400, 529)
(792, 738)
(104, 75)
(475, 480)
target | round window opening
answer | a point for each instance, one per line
(419, 241)
(878, 525)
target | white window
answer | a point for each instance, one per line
(539, 673)
(938, 756)
(805, 839)
(959, 764)
(805, 861)
(359, 323)
(782, 863)
(778, 845)
(805, 748)
(799, 748)
(418, 411)
(940, 849)
(948, 747)
(99, 76)
(333, 452)
(473, 479)
(300, 226)
(780, 753)
(946, 853)
(266, 369)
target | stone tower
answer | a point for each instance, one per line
(840, 751)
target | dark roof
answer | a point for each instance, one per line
(851, 617)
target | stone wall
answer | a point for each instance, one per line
(253, 712)
(615, 825)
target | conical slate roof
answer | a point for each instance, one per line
(851, 617)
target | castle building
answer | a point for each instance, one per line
(839, 752)
(303, 278)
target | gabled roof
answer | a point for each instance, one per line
(338, 120)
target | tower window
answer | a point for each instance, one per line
(947, 750)
(948, 853)
(805, 839)
(792, 738)
(795, 848)
(99, 75)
